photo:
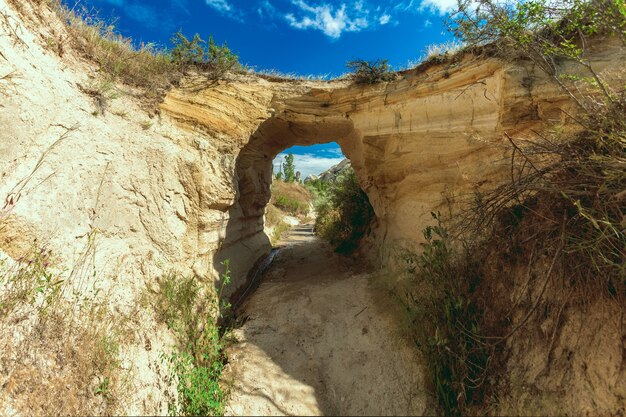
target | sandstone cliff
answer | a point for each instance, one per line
(186, 187)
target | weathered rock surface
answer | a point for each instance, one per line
(187, 188)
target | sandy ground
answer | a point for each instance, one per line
(319, 339)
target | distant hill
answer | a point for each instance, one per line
(331, 174)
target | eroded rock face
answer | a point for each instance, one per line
(186, 188)
(423, 143)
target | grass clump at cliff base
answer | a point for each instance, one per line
(196, 364)
(559, 219)
(344, 213)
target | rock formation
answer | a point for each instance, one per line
(187, 187)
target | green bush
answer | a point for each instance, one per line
(197, 363)
(213, 60)
(445, 319)
(345, 215)
(291, 205)
(370, 72)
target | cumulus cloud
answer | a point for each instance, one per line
(333, 20)
(226, 8)
(439, 6)
(220, 5)
(309, 164)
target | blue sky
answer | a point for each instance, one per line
(304, 37)
(312, 159)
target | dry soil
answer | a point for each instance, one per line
(320, 339)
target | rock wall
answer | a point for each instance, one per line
(186, 187)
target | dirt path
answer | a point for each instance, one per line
(318, 341)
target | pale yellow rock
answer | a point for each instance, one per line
(190, 191)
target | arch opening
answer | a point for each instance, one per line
(245, 242)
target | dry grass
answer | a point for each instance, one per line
(293, 198)
(147, 67)
(60, 355)
(274, 220)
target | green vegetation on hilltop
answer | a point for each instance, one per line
(148, 67)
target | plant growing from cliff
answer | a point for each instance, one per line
(445, 317)
(549, 33)
(370, 72)
(187, 52)
(146, 66)
(197, 363)
(213, 60)
(345, 216)
(578, 169)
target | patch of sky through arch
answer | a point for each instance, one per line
(312, 160)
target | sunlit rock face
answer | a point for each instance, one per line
(186, 187)
(423, 143)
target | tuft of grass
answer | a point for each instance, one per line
(146, 66)
(196, 364)
(443, 51)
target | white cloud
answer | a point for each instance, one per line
(427, 23)
(328, 19)
(308, 164)
(266, 9)
(220, 5)
(384, 19)
(439, 6)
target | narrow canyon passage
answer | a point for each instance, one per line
(320, 340)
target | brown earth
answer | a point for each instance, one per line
(319, 339)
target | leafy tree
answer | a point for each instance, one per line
(187, 52)
(220, 56)
(289, 168)
(213, 60)
(370, 72)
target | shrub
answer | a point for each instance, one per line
(574, 177)
(197, 363)
(345, 216)
(370, 72)
(564, 198)
(187, 52)
(445, 319)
